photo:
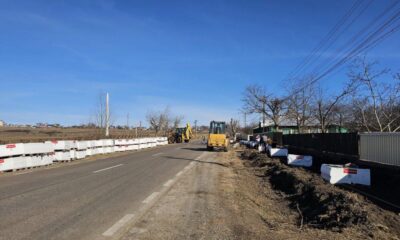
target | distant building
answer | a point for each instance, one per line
(2, 123)
(288, 128)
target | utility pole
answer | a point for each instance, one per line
(140, 128)
(245, 120)
(195, 128)
(136, 131)
(107, 116)
(263, 114)
(127, 121)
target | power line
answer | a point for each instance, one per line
(353, 41)
(365, 44)
(326, 38)
(369, 39)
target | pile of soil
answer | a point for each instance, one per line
(318, 203)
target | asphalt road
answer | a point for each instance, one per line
(82, 201)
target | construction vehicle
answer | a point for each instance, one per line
(217, 136)
(181, 135)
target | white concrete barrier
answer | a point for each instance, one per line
(108, 145)
(81, 149)
(61, 145)
(278, 152)
(13, 163)
(47, 159)
(98, 147)
(299, 160)
(9, 150)
(20, 155)
(81, 145)
(62, 156)
(62, 150)
(38, 148)
(339, 174)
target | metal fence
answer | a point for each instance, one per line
(338, 143)
(381, 148)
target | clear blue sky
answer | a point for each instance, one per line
(194, 56)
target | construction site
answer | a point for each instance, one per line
(200, 120)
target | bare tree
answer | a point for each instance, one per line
(177, 121)
(159, 121)
(234, 126)
(100, 114)
(325, 105)
(376, 102)
(256, 100)
(299, 103)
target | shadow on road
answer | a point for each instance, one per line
(194, 160)
(202, 149)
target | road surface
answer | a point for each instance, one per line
(89, 200)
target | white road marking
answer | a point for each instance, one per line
(201, 155)
(104, 169)
(179, 173)
(157, 154)
(136, 230)
(22, 173)
(118, 225)
(168, 183)
(151, 197)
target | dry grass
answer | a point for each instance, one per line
(13, 135)
(25, 134)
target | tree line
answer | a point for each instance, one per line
(369, 101)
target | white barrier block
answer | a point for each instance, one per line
(62, 156)
(81, 145)
(299, 160)
(38, 160)
(72, 153)
(14, 149)
(108, 142)
(338, 174)
(5, 164)
(30, 162)
(38, 148)
(98, 143)
(278, 152)
(89, 152)
(80, 154)
(19, 162)
(61, 145)
(47, 159)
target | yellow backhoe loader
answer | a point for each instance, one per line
(217, 136)
(182, 135)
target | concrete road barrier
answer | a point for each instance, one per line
(299, 160)
(339, 174)
(26, 155)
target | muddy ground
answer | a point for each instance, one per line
(244, 195)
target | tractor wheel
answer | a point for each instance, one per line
(209, 148)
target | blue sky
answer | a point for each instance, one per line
(196, 57)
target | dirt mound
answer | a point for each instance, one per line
(255, 159)
(319, 204)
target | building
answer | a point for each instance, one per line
(2, 123)
(288, 128)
